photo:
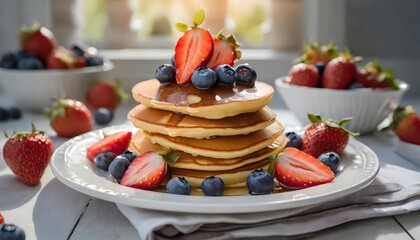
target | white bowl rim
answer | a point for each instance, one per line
(107, 66)
(404, 86)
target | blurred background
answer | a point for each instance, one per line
(138, 35)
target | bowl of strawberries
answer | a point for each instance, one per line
(41, 70)
(327, 82)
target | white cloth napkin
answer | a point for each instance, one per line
(396, 190)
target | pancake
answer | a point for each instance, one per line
(181, 125)
(224, 147)
(214, 103)
(140, 144)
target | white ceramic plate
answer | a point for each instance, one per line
(69, 164)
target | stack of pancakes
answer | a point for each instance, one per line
(224, 131)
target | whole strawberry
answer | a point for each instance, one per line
(38, 40)
(105, 94)
(1, 218)
(316, 53)
(63, 58)
(339, 72)
(28, 154)
(325, 135)
(372, 75)
(70, 118)
(303, 74)
(406, 124)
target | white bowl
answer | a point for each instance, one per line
(33, 90)
(368, 107)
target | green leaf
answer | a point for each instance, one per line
(272, 157)
(180, 26)
(199, 17)
(171, 156)
(271, 168)
(344, 121)
(314, 118)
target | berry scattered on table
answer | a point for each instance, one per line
(129, 155)
(204, 78)
(27, 154)
(105, 94)
(246, 74)
(4, 114)
(406, 124)
(293, 140)
(103, 116)
(165, 73)
(178, 185)
(104, 159)
(331, 160)
(11, 232)
(69, 117)
(116, 143)
(118, 167)
(146, 171)
(226, 75)
(325, 135)
(260, 182)
(14, 113)
(297, 169)
(213, 186)
(303, 74)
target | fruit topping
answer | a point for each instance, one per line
(406, 124)
(103, 116)
(193, 50)
(102, 160)
(213, 186)
(11, 232)
(165, 73)
(204, 78)
(116, 143)
(178, 185)
(260, 182)
(38, 40)
(118, 167)
(226, 75)
(69, 117)
(105, 94)
(246, 74)
(28, 154)
(297, 169)
(339, 72)
(331, 160)
(146, 171)
(303, 74)
(325, 135)
(129, 155)
(225, 51)
(293, 140)
(372, 75)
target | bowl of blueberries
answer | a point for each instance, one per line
(31, 81)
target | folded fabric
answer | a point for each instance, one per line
(384, 197)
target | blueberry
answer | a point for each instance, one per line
(9, 60)
(293, 140)
(203, 78)
(92, 60)
(213, 186)
(102, 116)
(11, 232)
(118, 167)
(129, 155)
(4, 114)
(226, 75)
(355, 85)
(173, 63)
(30, 64)
(78, 51)
(102, 160)
(21, 54)
(178, 185)
(14, 113)
(165, 73)
(331, 159)
(260, 182)
(246, 75)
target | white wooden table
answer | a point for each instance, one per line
(54, 211)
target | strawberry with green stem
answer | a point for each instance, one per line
(38, 40)
(193, 50)
(106, 94)
(406, 124)
(339, 72)
(315, 53)
(373, 75)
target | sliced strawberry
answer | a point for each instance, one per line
(146, 171)
(193, 50)
(224, 51)
(297, 169)
(116, 143)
